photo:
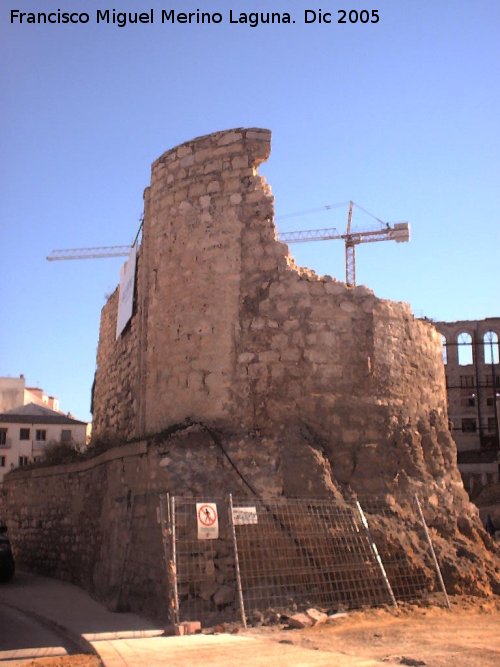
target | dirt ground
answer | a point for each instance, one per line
(468, 635)
(80, 660)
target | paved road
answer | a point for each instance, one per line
(22, 635)
(219, 651)
(127, 640)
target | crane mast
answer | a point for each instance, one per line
(350, 255)
(399, 232)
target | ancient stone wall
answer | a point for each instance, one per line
(116, 391)
(88, 523)
(228, 330)
(96, 523)
(192, 253)
(241, 372)
(188, 289)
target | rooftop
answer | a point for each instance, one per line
(36, 414)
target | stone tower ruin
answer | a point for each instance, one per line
(315, 388)
(241, 373)
(227, 330)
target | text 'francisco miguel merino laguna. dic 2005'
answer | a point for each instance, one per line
(171, 16)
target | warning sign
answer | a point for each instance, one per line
(208, 521)
(244, 515)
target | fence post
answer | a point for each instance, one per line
(375, 552)
(166, 531)
(433, 553)
(172, 565)
(237, 563)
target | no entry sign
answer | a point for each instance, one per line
(208, 521)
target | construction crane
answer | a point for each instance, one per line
(90, 253)
(399, 232)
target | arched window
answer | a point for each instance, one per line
(490, 343)
(445, 351)
(464, 341)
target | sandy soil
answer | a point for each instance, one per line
(466, 636)
(80, 660)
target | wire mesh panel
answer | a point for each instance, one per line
(205, 568)
(291, 554)
(303, 553)
(401, 541)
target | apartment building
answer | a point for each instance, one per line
(14, 392)
(26, 431)
(471, 360)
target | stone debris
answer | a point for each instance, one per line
(299, 621)
(317, 617)
(333, 618)
(185, 628)
(220, 628)
(307, 619)
(403, 660)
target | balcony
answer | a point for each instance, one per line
(6, 443)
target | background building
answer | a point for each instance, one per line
(26, 431)
(30, 420)
(471, 361)
(14, 392)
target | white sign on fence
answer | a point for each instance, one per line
(126, 295)
(244, 515)
(208, 521)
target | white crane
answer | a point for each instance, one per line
(399, 232)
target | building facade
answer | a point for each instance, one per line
(471, 361)
(14, 392)
(27, 431)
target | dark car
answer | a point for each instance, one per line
(7, 566)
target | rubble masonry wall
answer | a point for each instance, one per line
(227, 330)
(286, 384)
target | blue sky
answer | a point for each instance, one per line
(401, 116)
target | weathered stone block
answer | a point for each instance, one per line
(299, 621)
(317, 356)
(229, 138)
(317, 617)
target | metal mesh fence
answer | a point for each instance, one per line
(298, 554)
(205, 568)
(404, 550)
(291, 554)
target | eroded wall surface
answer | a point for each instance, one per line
(227, 330)
(241, 372)
(96, 523)
(89, 523)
